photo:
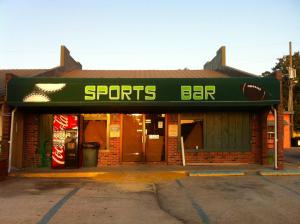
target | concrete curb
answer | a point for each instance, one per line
(58, 175)
(279, 172)
(161, 174)
(102, 175)
(215, 173)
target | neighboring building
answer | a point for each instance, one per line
(140, 115)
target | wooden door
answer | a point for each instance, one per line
(155, 137)
(132, 138)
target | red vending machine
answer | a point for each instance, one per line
(65, 141)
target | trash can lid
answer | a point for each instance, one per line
(91, 145)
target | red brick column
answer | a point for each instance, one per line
(173, 152)
(31, 155)
(111, 157)
(264, 136)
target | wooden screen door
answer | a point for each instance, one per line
(132, 138)
(155, 137)
(143, 138)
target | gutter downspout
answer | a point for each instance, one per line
(11, 138)
(275, 139)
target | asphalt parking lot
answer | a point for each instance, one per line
(244, 199)
(292, 156)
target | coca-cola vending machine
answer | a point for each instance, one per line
(65, 141)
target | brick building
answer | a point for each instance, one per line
(219, 114)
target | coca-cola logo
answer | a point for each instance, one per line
(63, 122)
(59, 135)
(58, 154)
(60, 122)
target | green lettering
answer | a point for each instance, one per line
(126, 91)
(90, 92)
(198, 93)
(150, 90)
(115, 89)
(101, 90)
(138, 89)
(186, 92)
(209, 92)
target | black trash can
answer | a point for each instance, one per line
(90, 154)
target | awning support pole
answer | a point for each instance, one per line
(11, 138)
(182, 151)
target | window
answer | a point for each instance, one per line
(271, 132)
(95, 129)
(192, 131)
(216, 131)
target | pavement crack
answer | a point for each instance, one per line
(155, 191)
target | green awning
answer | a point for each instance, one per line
(128, 92)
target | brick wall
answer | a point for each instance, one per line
(6, 117)
(31, 156)
(111, 157)
(253, 156)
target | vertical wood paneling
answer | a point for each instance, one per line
(246, 132)
(232, 127)
(227, 131)
(239, 131)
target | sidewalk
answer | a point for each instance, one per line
(152, 173)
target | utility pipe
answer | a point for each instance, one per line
(275, 139)
(182, 151)
(11, 138)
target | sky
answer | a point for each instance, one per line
(147, 34)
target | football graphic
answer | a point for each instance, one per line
(50, 87)
(35, 97)
(253, 91)
(41, 92)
